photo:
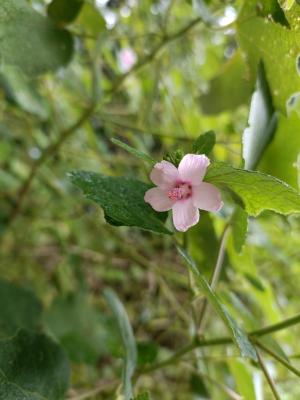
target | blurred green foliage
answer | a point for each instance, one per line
(154, 75)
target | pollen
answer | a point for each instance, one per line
(182, 191)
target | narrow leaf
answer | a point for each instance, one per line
(262, 122)
(239, 223)
(257, 191)
(205, 143)
(129, 345)
(135, 152)
(237, 334)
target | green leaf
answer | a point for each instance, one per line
(135, 152)
(64, 11)
(243, 378)
(262, 122)
(36, 45)
(280, 157)
(147, 352)
(204, 143)
(19, 90)
(122, 200)
(34, 363)
(198, 386)
(237, 334)
(81, 329)
(279, 54)
(19, 309)
(128, 340)
(90, 20)
(229, 89)
(286, 4)
(258, 191)
(10, 391)
(239, 224)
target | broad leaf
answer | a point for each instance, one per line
(64, 11)
(129, 345)
(238, 336)
(257, 191)
(35, 44)
(239, 223)
(280, 157)
(10, 391)
(204, 143)
(19, 309)
(34, 363)
(122, 200)
(82, 330)
(135, 152)
(274, 44)
(262, 122)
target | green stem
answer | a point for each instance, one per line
(277, 357)
(267, 376)
(219, 341)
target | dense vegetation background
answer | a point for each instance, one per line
(90, 310)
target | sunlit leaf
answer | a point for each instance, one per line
(258, 191)
(262, 122)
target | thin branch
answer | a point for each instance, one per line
(47, 153)
(151, 56)
(91, 393)
(267, 376)
(215, 275)
(277, 357)
(219, 341)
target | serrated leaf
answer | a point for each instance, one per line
(36, 45)
(262, 122)
(239, 337)
(257, 191)
(35, 364)
(229, 89)
(19, 309)
(204, 143)
(129, 345)
(135, 152)
(239, 224)
(64, 11)
(122, 200)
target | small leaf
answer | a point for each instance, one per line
(262, 122)
(238, 336)
(36, 45)
(239, 224)
(64, 11)
(19, 309)
(258, 191)
(198, 386)
(122, 200)
(128, 340)
(135, 152)
(205, 143)
(90, 20)
(33, 363)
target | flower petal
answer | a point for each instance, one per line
(192, 168)
(164, 175)
(158, 199)
(207, 197)
(185, 214)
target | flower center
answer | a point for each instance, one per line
(181, 191)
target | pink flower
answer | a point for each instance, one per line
(183, 190)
